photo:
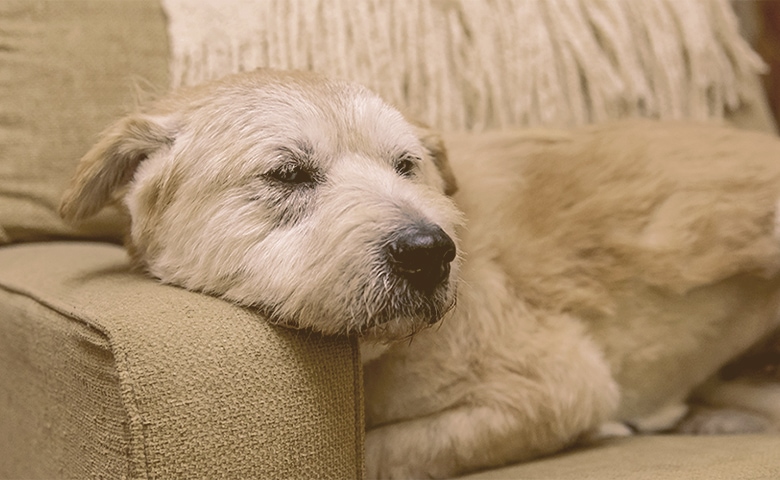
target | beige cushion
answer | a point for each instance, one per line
(662, 457)
(68, 70)
(107, 373)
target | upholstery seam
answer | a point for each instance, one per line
(127, 392)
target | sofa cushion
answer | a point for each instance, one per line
(61, 412)
(68, 70)
(660, 457)
(104, 372)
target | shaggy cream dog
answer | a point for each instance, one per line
(601, 275)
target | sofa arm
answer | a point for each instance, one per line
(104, 372)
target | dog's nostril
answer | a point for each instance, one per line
(423, 255)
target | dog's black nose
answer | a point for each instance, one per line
(422, 254)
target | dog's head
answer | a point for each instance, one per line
(310, 199)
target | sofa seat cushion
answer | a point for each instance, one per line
(105, 372)
(657, 457)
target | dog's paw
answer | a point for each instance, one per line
(714, 421)
(402, 451)
(382, 460)
(605, 431)
(661, 420)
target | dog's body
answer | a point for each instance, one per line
(601, 275)
(607, 272)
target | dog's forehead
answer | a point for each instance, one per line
(378, 125)
(329, 114)
(248, 122)
(347, 117)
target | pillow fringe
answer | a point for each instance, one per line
(466, 65)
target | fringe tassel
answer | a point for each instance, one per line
(476, 65)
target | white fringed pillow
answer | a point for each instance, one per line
(476, 65)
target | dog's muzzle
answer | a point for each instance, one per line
(421, 254)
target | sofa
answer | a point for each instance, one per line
(104, 372)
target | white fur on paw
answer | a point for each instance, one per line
(606, 431)
(663, 419)
(713, 421)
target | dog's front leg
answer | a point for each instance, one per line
(464, 439)
(444, 405)
(443, 444)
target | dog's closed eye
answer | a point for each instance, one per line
(406, 164)
(292, 174)
(296, 169)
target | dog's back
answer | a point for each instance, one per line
(661, 237)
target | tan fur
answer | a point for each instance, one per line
(658, 240)
(603, 274)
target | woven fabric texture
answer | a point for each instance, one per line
(69, 68)
(115, 374)
(61, 412)
(716, 457)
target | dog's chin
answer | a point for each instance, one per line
(406, 316)
(399, 317)
(403, 313)
(396, 329)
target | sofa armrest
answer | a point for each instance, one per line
(104, 372)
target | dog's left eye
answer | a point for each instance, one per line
(405, 165)
(291, 174)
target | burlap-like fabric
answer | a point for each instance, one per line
(69, 68)
(662, 457)
(61, 412)
(107, 373)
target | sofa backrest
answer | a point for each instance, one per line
(70, 68)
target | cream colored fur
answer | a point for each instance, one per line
(193, 172)
(602, 274)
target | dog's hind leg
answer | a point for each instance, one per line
(744, 397)
(736, 406)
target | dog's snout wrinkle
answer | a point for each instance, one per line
(422, 255)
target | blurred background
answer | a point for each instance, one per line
(760, 21)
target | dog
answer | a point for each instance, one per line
(515, 293)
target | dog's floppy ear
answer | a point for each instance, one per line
(433, 142)
(111, 163)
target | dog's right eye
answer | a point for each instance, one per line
(405, 165)
(291, 174)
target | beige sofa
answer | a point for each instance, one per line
(106, 373)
